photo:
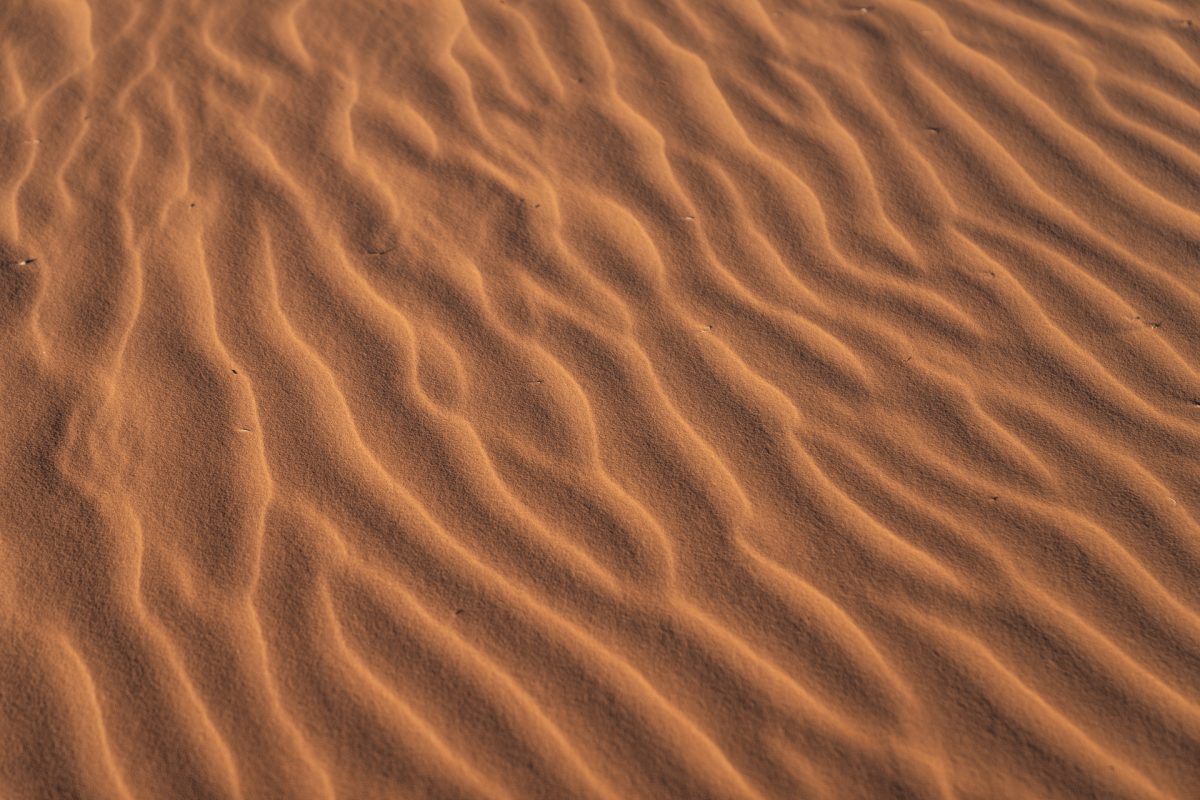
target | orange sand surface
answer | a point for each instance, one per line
(599, 399)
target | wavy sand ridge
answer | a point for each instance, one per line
(515, 399)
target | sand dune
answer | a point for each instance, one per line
(614, 399)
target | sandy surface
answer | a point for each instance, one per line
(614, 399)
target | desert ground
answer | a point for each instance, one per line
(607, 399)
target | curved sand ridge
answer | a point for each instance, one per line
(663, 399)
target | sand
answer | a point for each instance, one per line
(611, 399)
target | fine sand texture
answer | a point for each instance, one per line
(599, 399)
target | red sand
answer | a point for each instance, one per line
(623, 399)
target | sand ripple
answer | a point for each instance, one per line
(630, 399)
